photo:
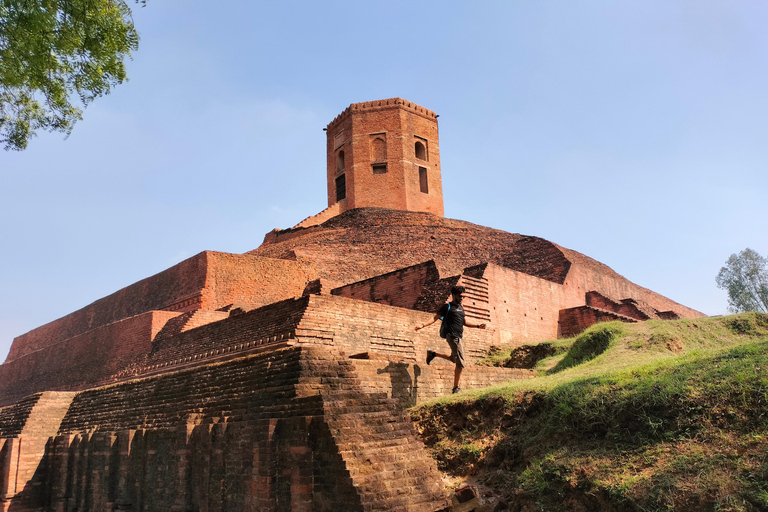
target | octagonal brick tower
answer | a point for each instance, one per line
(385, 153)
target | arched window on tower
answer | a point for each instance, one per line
(420, 150)
(341, 188)
(340, 161)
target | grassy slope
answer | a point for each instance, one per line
(661, 415)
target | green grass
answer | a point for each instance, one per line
(662, 415)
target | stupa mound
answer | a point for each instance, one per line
(274, 380)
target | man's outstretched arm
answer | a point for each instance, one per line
(435, 319)
(470, 324)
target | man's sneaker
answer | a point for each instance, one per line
(430, 355)
(456, 390)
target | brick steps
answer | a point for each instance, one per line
(14, 417)
(475, 287)
(384, 457)
(476, 297)
(246, 388)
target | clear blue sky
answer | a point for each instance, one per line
(635, 132)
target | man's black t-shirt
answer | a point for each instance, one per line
(454, 319)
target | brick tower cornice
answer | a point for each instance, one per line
(390, 103)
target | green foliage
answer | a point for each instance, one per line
(745, 277)
(671, 415)
(590, 344)
(53, 53)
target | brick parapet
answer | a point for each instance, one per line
(373, 106)
(207, 281)
(83, 360)
(181, 281)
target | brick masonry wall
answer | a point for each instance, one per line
(414, 383)
(627, 308)
(401, 288)
(81, 361)
(251, 281)
(172, 286)
(363, 243)
(332, 211)
(356, 326)
(575, 320)
(209, 280)
(523, 307)
(398, 124)
(235, 436)
(14, 417)
(21, 454)
(589, 275)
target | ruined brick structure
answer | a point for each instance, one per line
(275, 380)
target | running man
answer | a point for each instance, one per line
(453, 315)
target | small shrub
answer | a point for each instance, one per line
(589, 345)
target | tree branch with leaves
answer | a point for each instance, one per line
(56, 56)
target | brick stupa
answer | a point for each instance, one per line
(275, 380)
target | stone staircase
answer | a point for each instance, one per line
(23, 453)
(476, 298)
(190, 320)
(388, 464)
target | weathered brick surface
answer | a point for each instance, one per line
(523, 307)
(253, 282)
(385, 132)
(14, 417)
(416, 382)
(332, 211)
(575, 320)
(627, 307)
(401, 288)
(83, 360)
(356, 326)
(180, 282)
(231, 337)
(22, 470)
(208, 280)
(367, 242)
(285, 430)
(587, 274)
